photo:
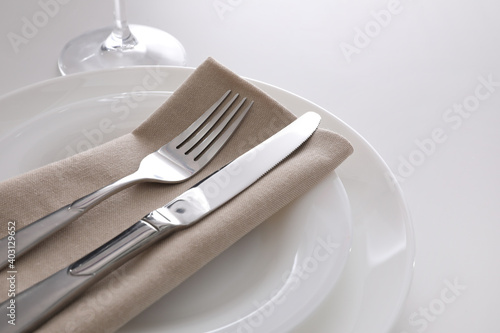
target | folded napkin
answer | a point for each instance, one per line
(132, 288)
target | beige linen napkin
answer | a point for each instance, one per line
(142, 281)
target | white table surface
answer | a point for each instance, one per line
(396, 89)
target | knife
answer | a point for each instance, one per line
(43, 300)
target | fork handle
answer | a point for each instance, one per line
(34, 233)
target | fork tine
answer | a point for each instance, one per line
(188, 145)
(208, 140)
(181, 138)
(203, 155)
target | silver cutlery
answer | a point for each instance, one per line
(43, 300)
(176, 161)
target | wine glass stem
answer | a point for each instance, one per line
(120, 38)
(121, 29)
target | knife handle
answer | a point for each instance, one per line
(43, 300)
(40, 302)
(34, 233)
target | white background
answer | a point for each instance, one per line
(395, 90)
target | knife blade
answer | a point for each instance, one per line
(40, 302)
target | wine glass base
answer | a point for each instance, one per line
(154, 47)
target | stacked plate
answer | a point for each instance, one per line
(338, 259)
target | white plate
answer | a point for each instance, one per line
(294, 258)
(236, 292)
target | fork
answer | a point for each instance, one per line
(176, 161)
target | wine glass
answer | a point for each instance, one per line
(120, 46)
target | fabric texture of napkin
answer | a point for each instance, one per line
(138, 284)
